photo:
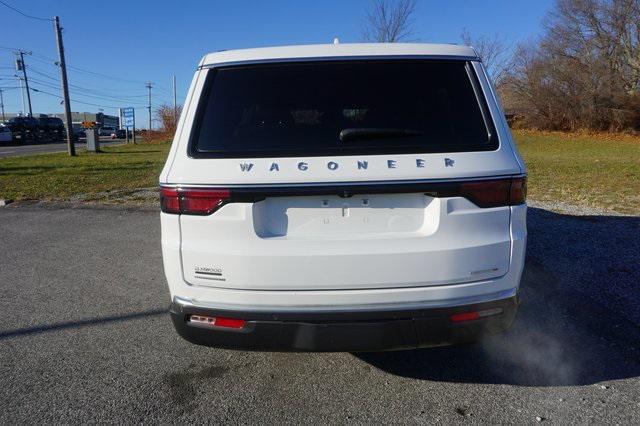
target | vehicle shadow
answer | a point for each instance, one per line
(579, 321)
(21, 332)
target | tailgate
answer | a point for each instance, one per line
(360, 241)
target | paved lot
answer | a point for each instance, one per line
(84, 336)
(13, 150)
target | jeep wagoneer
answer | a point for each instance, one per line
(342, 197)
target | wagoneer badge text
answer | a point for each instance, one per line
(333, 165)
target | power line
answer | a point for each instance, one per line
(104, 75)
(89, 90)
(32, 69)
(80, 102)
(88, 95)
(24, 14)
(96, 93)
(162, 89)
(50, 61)
(80, 91)
(35, 58)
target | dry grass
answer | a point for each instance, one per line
(593, 170)
(579, 135)
(60, 177)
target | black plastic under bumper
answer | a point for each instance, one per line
(344, 331)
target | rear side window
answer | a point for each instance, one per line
(341, 108)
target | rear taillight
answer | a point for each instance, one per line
(518, 190)
(193, 201)
(495, 193)
(169, 202)
(483, 193)
(202, 201)
(490, 193)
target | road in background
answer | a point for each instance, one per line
(7, 150)
(85, 337)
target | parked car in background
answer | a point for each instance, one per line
(5, 134)
(51, 128)
(42, 129)
(106, 131)
(78, 132)
(119, 134)
(342, 198)
(23, 128)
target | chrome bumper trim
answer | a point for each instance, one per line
(505, 294)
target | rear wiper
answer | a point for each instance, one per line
(368, 133)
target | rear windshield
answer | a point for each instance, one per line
(341, 108)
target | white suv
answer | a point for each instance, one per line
(349, 197)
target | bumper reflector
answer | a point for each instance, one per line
(217, 321)
(474, 315)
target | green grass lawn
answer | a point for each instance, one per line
(595, 171)
(58, 176)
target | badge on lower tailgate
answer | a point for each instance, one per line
(209, 273)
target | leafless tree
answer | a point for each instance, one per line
(584, 72)
(389, 21)
(167, 117)
(494, 52)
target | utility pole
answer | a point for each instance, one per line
(175, 103)
(71, 148)
(149, 85)
(2, 105)
(21, 95)
(20, 65)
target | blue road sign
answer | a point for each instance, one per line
(129, 117)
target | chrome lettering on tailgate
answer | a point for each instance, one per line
(209, 273)
(335, 165)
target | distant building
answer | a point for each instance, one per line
(103, 120)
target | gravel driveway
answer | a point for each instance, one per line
(84, 336)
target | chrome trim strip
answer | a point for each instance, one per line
(343, 183)
(502, 118)
(482, 102)
(492, 297)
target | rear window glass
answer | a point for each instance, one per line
(341, 108)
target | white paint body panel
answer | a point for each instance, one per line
(345, 300)
(433, 242)
(330, 253)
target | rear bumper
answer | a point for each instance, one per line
(344, 331)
